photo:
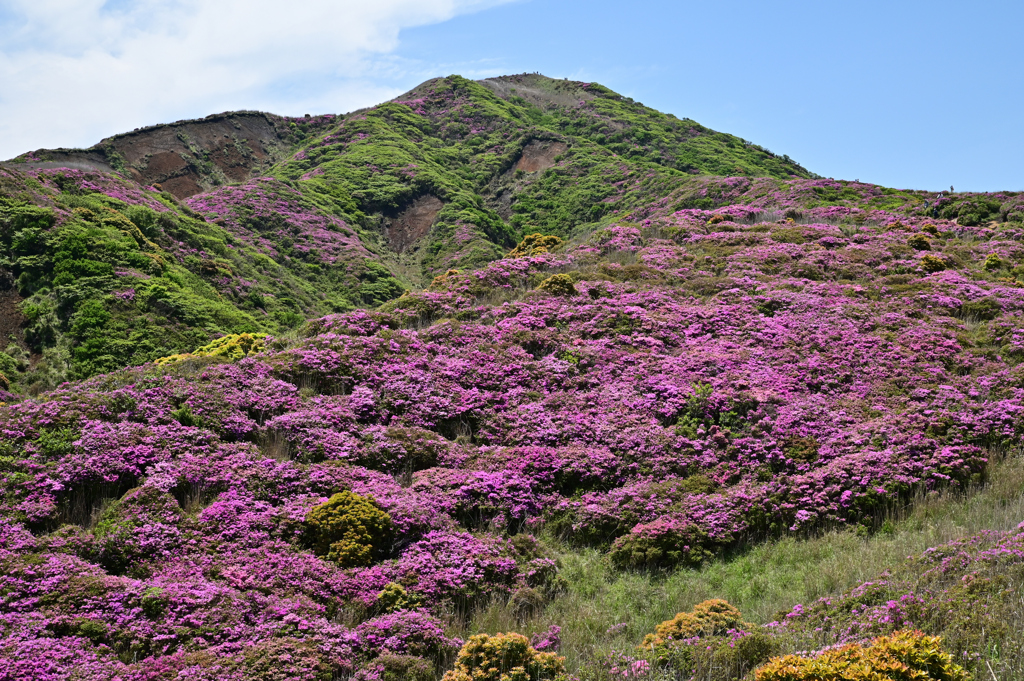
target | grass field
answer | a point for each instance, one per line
(604, 611)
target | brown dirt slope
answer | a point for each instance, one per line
(185, 157)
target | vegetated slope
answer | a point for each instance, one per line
(99, 273)
(664, 390)
(451, 173)
(100, 269)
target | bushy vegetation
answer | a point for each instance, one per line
(902, 655)
(349, 530)
(792, 398)
(710, 618)
(231, 347)
(535, 244)
(504, 657)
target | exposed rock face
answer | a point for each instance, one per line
(186, 157)
(413, 223)
(540, 155)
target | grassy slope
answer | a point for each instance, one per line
(108, 282)
(768, 579)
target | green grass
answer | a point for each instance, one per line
(762, 581)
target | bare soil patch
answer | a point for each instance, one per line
(540, 155)
(413, 223)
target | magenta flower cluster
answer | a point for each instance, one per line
(714, 380)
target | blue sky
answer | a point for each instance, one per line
(909, 95)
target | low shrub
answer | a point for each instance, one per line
(662, 543)
(993, 263)
(558, 285)
(232, 347)
(713, 617)
(394, 597)
(504, 657)
(396, 668)
(919, 242)
(349, 530)
(140, 526)
(982, 309)
(284, 658)
(712, 636)
(931, 263)
(909, 655)
(535, 244)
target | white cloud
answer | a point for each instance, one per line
(74, 71)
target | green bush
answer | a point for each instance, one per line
(504, 657)
(931, 263)
(558, 285)
(982, 309)
(139, 526)
(919, 242)
(349, 530)
(904, 655)
(713, 617)
(535, 244)
(284, 659)
(993, 263)
(401, 668)
(660, 546)
(393, 598)
(232, 347)
(745, 653)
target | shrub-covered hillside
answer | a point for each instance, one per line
(659, 394)
(159, 240)
(97, 273)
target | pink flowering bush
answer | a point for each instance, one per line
(756, 374)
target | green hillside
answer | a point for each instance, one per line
(100, 269)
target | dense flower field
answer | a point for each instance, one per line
(709, 378)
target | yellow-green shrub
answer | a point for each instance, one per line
(348, 529)
(558, 285)
(394, 597)
(504, 657)
(902, 656)
(919, 242)
(535, 244)
(232, 347)
(931, 263)
(993, 263)
(714, 617)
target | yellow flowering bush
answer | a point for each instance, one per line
(713, 617)
(558, 285)
(535, 244)
(232, 347)
(902, 656)
(504, 657)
